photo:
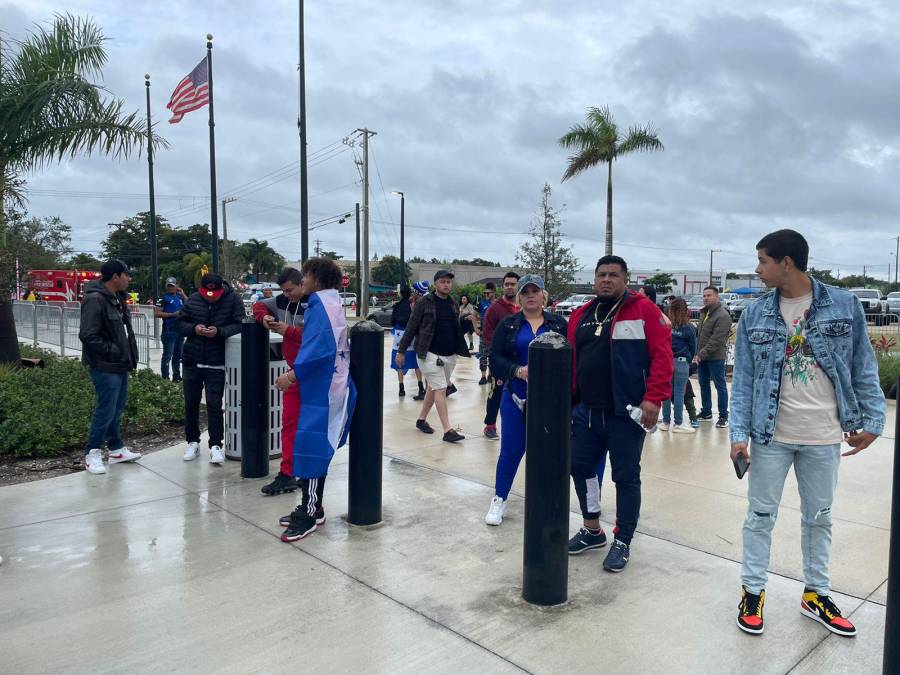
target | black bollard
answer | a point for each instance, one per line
(366, 431)
(254, 400)
(891, 658)
(548, 451)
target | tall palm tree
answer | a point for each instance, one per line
(50, 110)
(599, 140)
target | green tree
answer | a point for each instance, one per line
(259, 258)
(194, 263)
(388, 272)
(824, 276)
(331, 255)
(35, 244)
(600, 141)
(50, 110)
(478, 262)
(545, 254)
(661, 282)
(83, 261)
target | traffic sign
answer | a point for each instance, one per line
(345, 281)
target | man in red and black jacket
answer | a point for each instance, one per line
(622, 356)
(284, 315)
(501, 308)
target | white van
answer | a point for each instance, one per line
(347, 299)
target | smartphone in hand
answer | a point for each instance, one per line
(741, 464)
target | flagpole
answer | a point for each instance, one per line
(154, 262)
(213, 202)
(301, 122)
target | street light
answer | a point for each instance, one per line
(402, 242)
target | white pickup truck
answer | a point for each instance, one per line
(870, 299)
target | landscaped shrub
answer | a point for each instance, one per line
(44, 411)
(888, 370)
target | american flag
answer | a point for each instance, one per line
(191, 93)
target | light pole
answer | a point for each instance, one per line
(403, 278)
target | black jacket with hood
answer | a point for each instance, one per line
(106, 334)
(226, 315)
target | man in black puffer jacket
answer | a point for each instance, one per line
(208, 318)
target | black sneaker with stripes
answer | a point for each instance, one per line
(301, 525)
(284, 521)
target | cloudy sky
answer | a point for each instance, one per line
(773, 114)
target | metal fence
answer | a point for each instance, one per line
(58, 324)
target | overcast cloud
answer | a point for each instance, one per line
(773, 115)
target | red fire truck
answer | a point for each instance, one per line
(60, 285)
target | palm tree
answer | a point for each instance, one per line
(599, 140)
(50, 110)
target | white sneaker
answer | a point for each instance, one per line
(216, 456)
(93, 462)
(495, 513)
(123, 455)
(663, 426)
(191, 452)
(683, 430)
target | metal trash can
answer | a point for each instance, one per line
(277, 366)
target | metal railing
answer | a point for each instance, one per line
(58, 325)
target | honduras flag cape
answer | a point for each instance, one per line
(328, 394)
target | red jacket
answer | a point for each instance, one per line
(499, 310)
(641, 349)
(293, 335)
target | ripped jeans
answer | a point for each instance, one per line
(816, 468)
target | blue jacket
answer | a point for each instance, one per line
(684, 341)
(503, 357)
(837, 335)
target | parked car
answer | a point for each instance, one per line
(737, 307)
(382, 315)
(870, 299)
(893, 303)
(573, 302)
(728, 298)
(347, 299)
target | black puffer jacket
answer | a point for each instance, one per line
(106, 334)
(226, 315)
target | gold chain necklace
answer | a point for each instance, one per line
(609, 316)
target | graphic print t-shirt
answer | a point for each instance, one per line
(807, 410)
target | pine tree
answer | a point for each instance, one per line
(545, 254)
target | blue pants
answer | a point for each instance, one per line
(172, 343)
(594, 434)
(512, 444)
(112, 395)
(679, 381)
(714, 370)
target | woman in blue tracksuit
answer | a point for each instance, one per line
(509, 361)
(684, 347)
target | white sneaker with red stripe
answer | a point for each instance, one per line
(93, 462)
(123, 455)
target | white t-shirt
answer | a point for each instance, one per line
(807, 410)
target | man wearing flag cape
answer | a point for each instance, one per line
(322, 369)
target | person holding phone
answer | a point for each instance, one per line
(805, 378)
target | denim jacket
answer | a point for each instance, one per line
(836, 331)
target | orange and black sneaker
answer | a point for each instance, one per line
(750, 612)
(821, 608)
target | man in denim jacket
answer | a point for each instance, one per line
(805, 376)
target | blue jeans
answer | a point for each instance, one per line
(679, 382)
(714, 370)
(112, 395)
(172, 343)
(816, 468)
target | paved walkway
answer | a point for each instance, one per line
(166, 566)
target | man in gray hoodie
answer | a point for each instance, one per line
(712, 344)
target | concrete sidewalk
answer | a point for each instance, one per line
(168, 566)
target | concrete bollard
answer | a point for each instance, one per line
(548, 451)
(254, 400)
(366, 428)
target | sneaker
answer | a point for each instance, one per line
(490, 432)
(284, 521)
(495, 513)
(177, 378)
(93, 462)
(402, 391)
(123, 455)
(281, 484)
(585, 540)
(423, 426)
(821, 608)
(301, 524)
(483, 380)
(722, 423)
(191, 452)
(664, 426)
(451, 389)
(750, 612)
(453, 436)
(705, 417)
(617, 557)
(678, 429)
(216, 456)
(695, 424)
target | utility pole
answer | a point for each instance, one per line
(364, 277)
(711, 264)
(154, 263)
(318, 247)
(403, 279)
(225, 269)
(301, 125)
(864, 275)
(358, 268)
(896, 258)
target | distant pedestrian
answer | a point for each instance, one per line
(468, 319)
(400, 315)
(499, 310)
(167, 308)
(483, 305)
(684, 346)
(110, 352)
(209, 317)
(712, 346)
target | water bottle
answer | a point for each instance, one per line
(636, 413)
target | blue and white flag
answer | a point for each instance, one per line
(327, 392)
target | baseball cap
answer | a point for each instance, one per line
(211, 286)
(171, 281)
(443, 274)
(530, 280)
